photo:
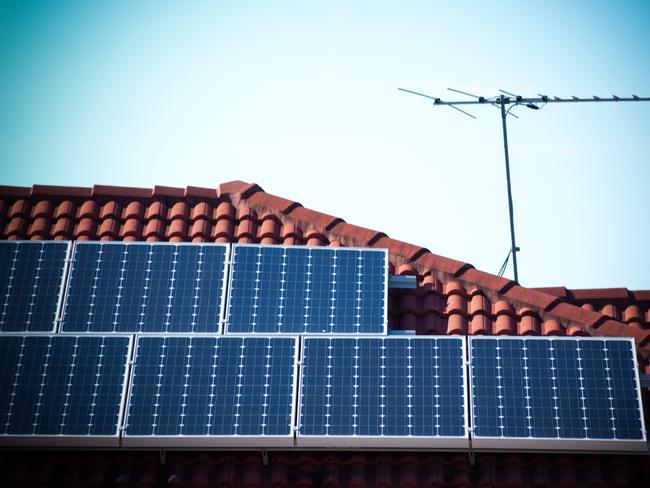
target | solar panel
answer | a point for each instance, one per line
(62, 390)
(301, 290)
(145, 288)
(555, 393)
(31, 280)
(383, 392)
(212, 391)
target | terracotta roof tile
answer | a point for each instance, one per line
(531, 297)
(444, 265)
(61, 191)
(167, 191)
(239, 189)
(65, 209)
(195, 192)
(311, 217)
(15, 191)
(120, 192)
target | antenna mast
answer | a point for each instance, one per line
(510, 100)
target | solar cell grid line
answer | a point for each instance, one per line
(32, 275)
(137, 287)
(207, 391)
(307, 290)
(374, 392)
(62, 390)
(555, 393)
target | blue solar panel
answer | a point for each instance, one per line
(373, 392)
(55, 389)
(31, 280)
(212, 391)
(301, 290)
(144, 288)
(555, 392)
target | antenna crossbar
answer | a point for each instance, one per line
(543, 99)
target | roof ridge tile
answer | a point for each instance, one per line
(15, 191)
(120, 192)
(62, 191)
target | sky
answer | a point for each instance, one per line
(302, 98)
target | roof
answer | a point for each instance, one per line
(452, 297)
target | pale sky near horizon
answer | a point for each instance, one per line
(301, 98)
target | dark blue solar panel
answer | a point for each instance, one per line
(382, 387)
(555, 388)
(31, 280)
(135, 287)
(296, 290)
(212, 386)
(54, 385)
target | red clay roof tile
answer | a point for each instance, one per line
(120, 192)
(89, 209)
(65, 209)
(167, 191)
(534, 298)
(312, 217)
(61, 191)
(441, 264)
(195, 192)
(15, 191)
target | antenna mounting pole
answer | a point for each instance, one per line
(513, 247)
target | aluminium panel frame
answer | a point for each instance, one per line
(384, 442)
(222, 299)
(381, 333)
(77, 441)
(62, 287)
(213, 441)
(536, 444)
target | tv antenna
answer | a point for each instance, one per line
(510, 100)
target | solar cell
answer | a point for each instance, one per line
(145, 288)
(301, 290)
(31, 280)
(564, 393)
(383, 392)
(212, 391)
(62, 390)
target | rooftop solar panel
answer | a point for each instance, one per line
(31, 281)
(302, 290)
(212, 392)
(555, 393)
(383, 392)
(60, 390)
(145, 288)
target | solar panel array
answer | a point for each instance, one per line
(555, 392)
(215, 391)
(371, 392)
(305, 290)
(31, 280)
(163, 305)
(145, 288)
(62, 390)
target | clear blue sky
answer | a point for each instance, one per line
(301, 97)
